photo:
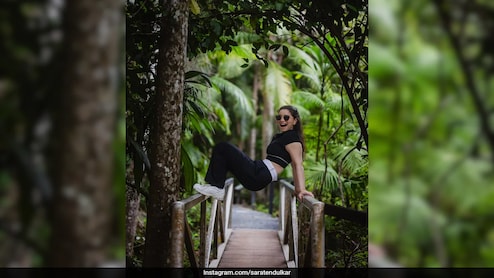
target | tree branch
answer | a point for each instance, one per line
(481, 110)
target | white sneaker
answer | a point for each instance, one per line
(209, 190)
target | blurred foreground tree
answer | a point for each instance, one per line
(84, 128)
(59, 80)
(474, 53)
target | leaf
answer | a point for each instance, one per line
(194, 7)
(239, 97)
(266, 65)
(285, 51)
(192, 73)
(188, 169)
(275, 47)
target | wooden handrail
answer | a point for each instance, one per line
(352, 215)
(219, 228)
(289, 233)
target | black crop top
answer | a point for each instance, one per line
(276, 151)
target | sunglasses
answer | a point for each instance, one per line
(285, 117)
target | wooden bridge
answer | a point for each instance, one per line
(221, 246)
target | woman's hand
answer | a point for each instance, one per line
(300, 194)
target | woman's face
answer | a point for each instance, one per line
(285, 120)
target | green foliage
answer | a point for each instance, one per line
(346, 244)
(431, 169)
(236, 96)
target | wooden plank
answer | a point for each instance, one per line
(251, 248)
(189, 245)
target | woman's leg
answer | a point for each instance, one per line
(226, 157)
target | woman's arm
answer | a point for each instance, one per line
(296, 154)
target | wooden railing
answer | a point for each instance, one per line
(213, 238)
(289, 231)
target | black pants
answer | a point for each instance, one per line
(252, 174)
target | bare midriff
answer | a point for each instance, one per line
(277, 167)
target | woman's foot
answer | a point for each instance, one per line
(209, 190)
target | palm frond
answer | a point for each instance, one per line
(278, 84)
(202, 63)
(313, 66)
(246, 37)
(231, 66)
(243, 51)
(188, 169)
(202, 113)
(191, 74)
(311, 78)
(222, 116)
(352, 160)
(308, 99)
(304, 58)
(317, 175)
(238, 97)
(333, 103)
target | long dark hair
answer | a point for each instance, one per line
(298, 127)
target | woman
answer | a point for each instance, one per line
(287, 147)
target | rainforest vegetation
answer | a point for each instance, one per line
(244, 60)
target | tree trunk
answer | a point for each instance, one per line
(134, 181)
(267, 120)
(131, 216)
(267, 132)
(84, 127)
(256, 87)
(165, 134)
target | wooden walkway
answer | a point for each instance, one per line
(254, 241)
(253, 248)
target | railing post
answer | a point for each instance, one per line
(282, 209)
(317, 235)
(271, 197)
(219, 222)
(289, 230)
(202, 234)
(227, 207)
(294, 227)
(177, 236)
(210, 232)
